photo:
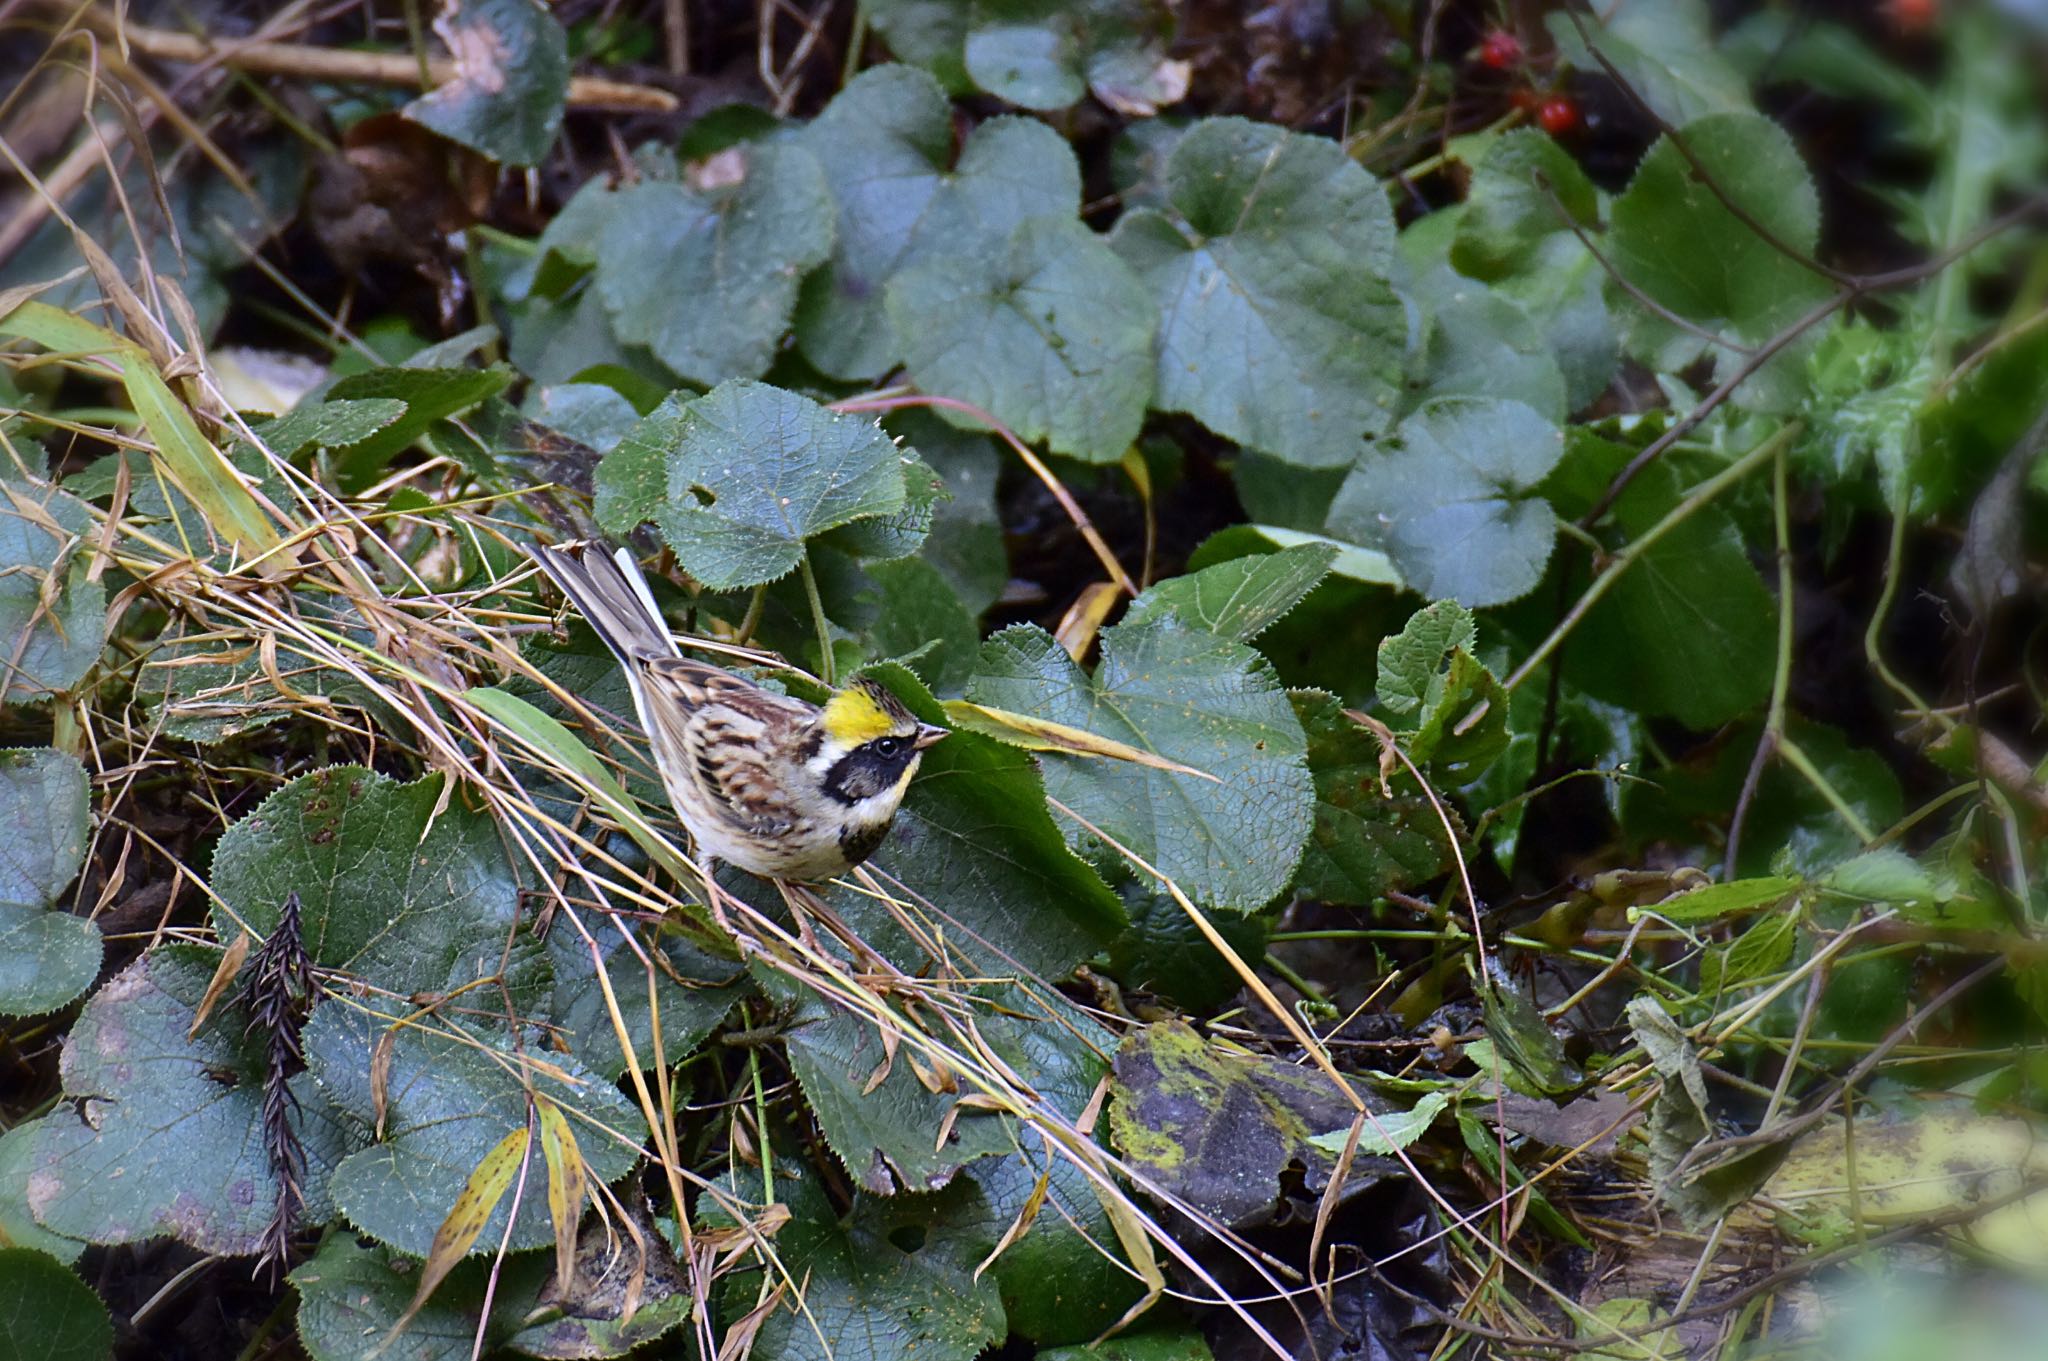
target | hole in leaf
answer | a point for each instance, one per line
(907, 1237)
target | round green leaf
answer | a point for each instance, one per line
(885, 142)
(168, 1135)
(1241, 598)
(1674, 239)
(49, 644)
(46, 957)
(707, 279)
(1451, 499)
(47, 1313)
(1278, 328)
(1230, 836)
(754, 471)
(511, 74)
(448, 1099)
(1051, 334)
(1524, 190)
(893, 1280)
(17, 1225)
(394, 889)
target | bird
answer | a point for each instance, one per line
(767, 783)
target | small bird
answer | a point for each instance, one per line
(775, 786)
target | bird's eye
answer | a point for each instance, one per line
(886, 747)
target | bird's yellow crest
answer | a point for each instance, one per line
(862, 712)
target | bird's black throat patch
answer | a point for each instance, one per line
(864, 772)
(858, 843)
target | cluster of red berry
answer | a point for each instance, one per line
(1556, 112)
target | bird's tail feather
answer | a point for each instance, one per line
(609, 590)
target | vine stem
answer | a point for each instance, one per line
(1781, 674)
(1694, 500)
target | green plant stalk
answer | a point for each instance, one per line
(1694, 500)
(1796, 757)
(826, 668)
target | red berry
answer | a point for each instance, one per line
(1500, 49)
(1558, 115)
(1914, 16)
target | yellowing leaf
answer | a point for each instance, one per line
(567, 1186)
(1042, 734)
(480, 1195)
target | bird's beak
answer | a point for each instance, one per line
(927, 736)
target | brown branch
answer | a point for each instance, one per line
(366, 68)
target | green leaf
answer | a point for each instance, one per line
(1365, 843)
(884, 143)
(893, 537)
(1411, 661)
(1238, 599)
(174, 1144)
(1680, 1120)
(49, 645)
(1757, 953)
(1050, 333)
(592, 414)
(894, 1279)
(18, 1227)
(396, 890)
(1063, 1280)
(708, 279)
(46, 957)
(691, 1002)
(754, 472)
(1483, 344)
(329, 424)
(928, 33)
(1717, 901)
(1385, 1135)
(1884, 875)
(1057, 1282)
(447, 1100)
(1673, 238)
(631, 482)
(1522, 1036)
(975, 840)
(1163, 952)
(1451, 498)
(1230, 837)
(873, 1110)
(1525, 189)
(1046, 54)
(1688, 631)
(47, 1313)
(430, 395)
(1173, 1343)
(351, 1294)
(1667, 54)
(511, 76)
(1278, 328)
(919, 613)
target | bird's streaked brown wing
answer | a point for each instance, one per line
(720, 733)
